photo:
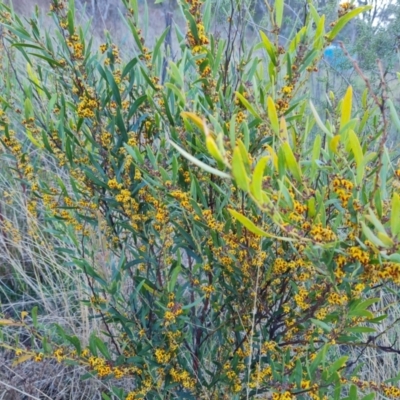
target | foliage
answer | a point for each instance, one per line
(246, 236)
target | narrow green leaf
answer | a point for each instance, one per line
(257, 179)
(371, 236)
(393, 114)
(249, 225)
(197, 162)
(346, 107)
(248, 106)
(374, 219)
(273, 115)
(361, 329)
(315, 155)
(291, 162)
(318, 120)
(279, 4)
(34, 313)
(356, 148)
(353, 393)
(344, 20)
(269, 47)
(321, 324)
(194, 304)
(395, 215)
(337, 364)
(239, 171)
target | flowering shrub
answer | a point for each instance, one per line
(247, 237)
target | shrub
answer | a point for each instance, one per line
(242, 239)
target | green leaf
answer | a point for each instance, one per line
(393, 114)
(200, 123)
(174, 276)
(346, 107)
(337, 364)
(279, 12)
(34, 313)
(353, 393)
(395, 215)
(269, 47)
(341, 23)
(320, 32)
(197, 162)
(75, 342)
(318, 120)
(291, 161)
(214, 150)
(370, 396)
(194, 304)
(128, 67)
(273, 115)
(374, 219)
(102, 347)
(358, 155)
(319, 359)
(160, 41)
(361, 329)
(366, 303)
(239, 171)
(248, 106)
(249, 225)
(315, 155)
(179, 93)
(176, 74)
(371, 236)
(321, 324)
(360, 313)
(257, 179)
(378, 319)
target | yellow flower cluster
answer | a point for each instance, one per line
(59, 355)
(182, 377)
(174, 311)
(208, 290)
(359, 255)
(87, 106)
(13, 144)
(321, 313)
(183, 198)
(140, 393)
(280, 266)
(343, 189)
(344, 8)
(212, 222)
(268, 346)
(259, 376)
(162, 356)
(113, 184)
(282, 105)
(301, 299)
(283, 396)
(337, 298)
(240, 117)
(77, 47)
(105, 139)
(287, 90)
(100, 365)
(321, 234)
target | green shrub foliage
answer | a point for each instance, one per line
(240, 232)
